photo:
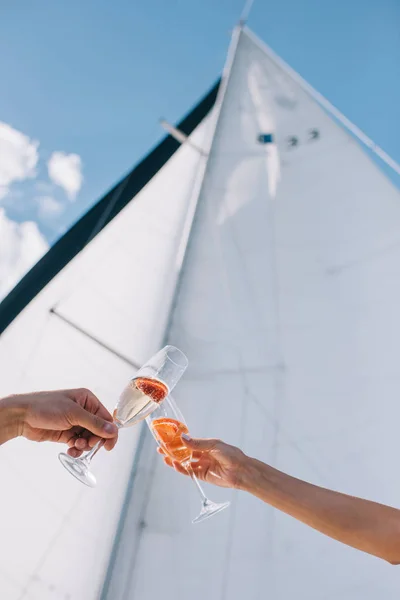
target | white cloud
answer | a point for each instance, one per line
(21, 246)
(18, 157)
(49, 207)
(66, 171)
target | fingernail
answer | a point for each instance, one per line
(186, 437)
(109, 428)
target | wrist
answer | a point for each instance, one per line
(248, 474)
(12, 417)
(256, 476)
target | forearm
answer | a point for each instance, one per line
(11, 418)
(365, 525)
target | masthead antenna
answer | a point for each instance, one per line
(245, 12)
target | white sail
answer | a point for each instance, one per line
(111, 304)
(287, 307)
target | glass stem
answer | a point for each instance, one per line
(89, 455)
(189, 469)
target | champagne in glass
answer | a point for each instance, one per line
(168, 433)
(140, 397)
(143, 394)
(167, 425)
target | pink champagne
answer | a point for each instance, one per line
(138, 400)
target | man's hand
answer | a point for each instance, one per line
(73, 417)
(213, 461)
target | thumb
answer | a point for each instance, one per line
(201, 445)
(93, 423)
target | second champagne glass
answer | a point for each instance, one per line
(167, 424)
(143, 394)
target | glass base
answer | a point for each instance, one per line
(209, 509)
(78, 468)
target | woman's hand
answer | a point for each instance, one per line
(213, 461)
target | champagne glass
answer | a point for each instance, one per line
(167, 424)
(143, 394)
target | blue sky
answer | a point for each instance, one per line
(92, 78)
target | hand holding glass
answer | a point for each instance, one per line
(167, 425)
(143, 394)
